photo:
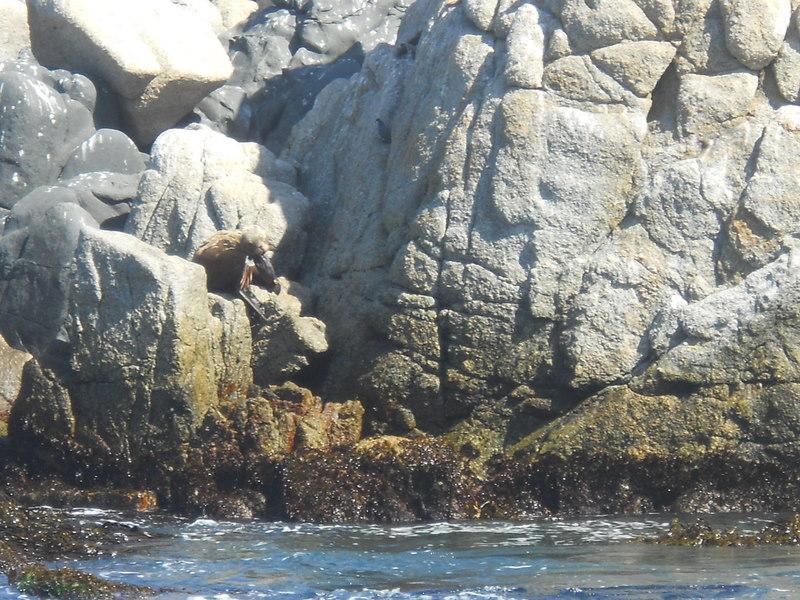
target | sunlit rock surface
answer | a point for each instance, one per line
(159, 57)
(574, 196)
(14, 34)
(199, 181)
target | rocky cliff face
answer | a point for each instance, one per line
(562, 231)
(573, 195)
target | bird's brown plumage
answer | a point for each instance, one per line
(224, 255)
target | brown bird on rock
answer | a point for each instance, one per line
(225, 256)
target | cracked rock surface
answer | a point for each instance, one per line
(574, 194)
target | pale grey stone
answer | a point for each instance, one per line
(549, 238)
(558, 46)
(626, 282)
(231, 340)
(287, 341)
(636, 65)
(701, 35)
(592, 25)
(14, 34)
(204, 10)
(158, 57)
(660, 12)
(525, 41)
(200, 181)
(755, 29)
(707, 104)
(746, 333)
(481, 12)
(787, 67)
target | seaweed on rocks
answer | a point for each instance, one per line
(70, 584)
(584, 483)
(383, 479)
(699, 533)
(29, 535)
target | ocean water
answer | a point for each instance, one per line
(547, 558)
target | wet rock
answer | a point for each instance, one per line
(70, 584)
(384, 479)
(157, 57)
(106, 150)
(117, 191)
(285, 55)
(277, 107)
(40, 250)
(700, 533)
(40, 125)
(42, 533)
(231, 467)
(696, 451)
(29, 534)
(331, 28)
(28, 209)
(200, 181)
(225, 110)
(49, 139)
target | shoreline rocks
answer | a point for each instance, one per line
(553, 244)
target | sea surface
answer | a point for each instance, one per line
(547, 558)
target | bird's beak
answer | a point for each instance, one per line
(266, 273)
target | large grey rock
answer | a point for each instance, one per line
(546, 235)
(287, 341)
(14, 34)
(110, 317)
(702, 46)
(158, 57)
(605, 22)
(40, 126)
(744, 334)
(203, 10)
(787, 67)
(200, 181)
(754, 29)
(105, 150)
(636, 65)
(707, 103)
